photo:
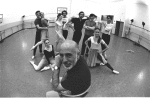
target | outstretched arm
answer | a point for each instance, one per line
(60, 35)
(37, 44)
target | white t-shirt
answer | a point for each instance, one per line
(107, 29)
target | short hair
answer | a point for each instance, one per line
(109, 16)
(92, 15)
(58, 15)
(95, 16)
(81, 12)
(37, 12)
(64, 11)
(97, 29)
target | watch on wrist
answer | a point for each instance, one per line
(55, 68)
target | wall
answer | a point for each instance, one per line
(139, 12)
(13, 10)
(100, 7)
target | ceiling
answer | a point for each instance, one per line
(146, 2)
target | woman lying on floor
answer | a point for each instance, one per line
(47, 59)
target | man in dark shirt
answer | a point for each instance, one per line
(37, 23)
(39, 27)
(78, 25)
(77, 78)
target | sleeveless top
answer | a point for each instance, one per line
(49, 53)
(95, 44)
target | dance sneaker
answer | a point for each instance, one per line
(33, 57)
(116, 72)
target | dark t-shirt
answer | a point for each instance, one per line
(78, 24)
(38, 22)
(49, 54)
(77, 79)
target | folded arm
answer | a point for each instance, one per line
(37, 44)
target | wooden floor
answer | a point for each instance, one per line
(19, 79)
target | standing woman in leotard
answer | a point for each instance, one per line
(59, 29)
(47, 59)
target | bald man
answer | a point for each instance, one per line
(77, 79)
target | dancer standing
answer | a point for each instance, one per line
(106, 32)
(78, 25)
(59, 29)
(64, 21)
(38, 26)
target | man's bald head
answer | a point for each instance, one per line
(69, 53)
(69, 44)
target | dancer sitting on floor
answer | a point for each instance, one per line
(96, 50)
(47, 59)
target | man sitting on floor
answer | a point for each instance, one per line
(77, 79)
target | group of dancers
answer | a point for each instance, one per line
(95, 41)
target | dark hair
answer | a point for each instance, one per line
(92, 15)
(109, 16)
(37, 12)
(58, 15)
(81, 12)
(64, 11)
(99, 38)
(95, 16)
(46, 40)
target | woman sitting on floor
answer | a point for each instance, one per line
(47, 59)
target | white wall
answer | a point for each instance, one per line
(13, 10)
(99, 8)
(139, 12)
